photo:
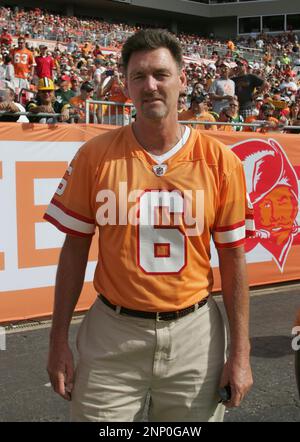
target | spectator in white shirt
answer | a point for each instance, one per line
(288, 85)
(222, 90)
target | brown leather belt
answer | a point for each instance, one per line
(159, 316)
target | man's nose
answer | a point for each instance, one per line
(150, 84)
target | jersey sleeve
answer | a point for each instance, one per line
(235, 219)
(71, 209)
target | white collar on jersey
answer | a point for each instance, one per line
(179, 145)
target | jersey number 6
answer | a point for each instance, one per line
(161, 248)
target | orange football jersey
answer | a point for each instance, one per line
(116, 94)
(188, 115)
(22, 60)
(155, 220)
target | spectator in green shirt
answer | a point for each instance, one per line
(285, 59)
(64, 93)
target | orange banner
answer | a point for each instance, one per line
(33, 159)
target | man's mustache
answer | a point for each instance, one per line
(146, 97)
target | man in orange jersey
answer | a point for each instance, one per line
(158, 192)
(24, 63)
(114, 89)
(79, 102)
(265, 115)
(199, 112)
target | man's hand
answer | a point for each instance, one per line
(3, 106)
(237, 373)
(237, 370)
(8, 107)
(45, 108)
(69, 281)
(61, 370)
(65, 115)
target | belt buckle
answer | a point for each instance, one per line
(158, 317)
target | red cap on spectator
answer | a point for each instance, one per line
(65, 78)
(241, 62)
(285, 112)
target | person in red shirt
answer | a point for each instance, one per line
(97, 52)
(44, 64)
(24, 63)
(5, 37)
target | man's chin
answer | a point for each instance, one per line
(155, 114)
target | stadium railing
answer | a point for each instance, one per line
(54, 116)
(258, 124)
(113, 37)
(206, 51)
(97, 114)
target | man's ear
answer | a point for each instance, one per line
(126, 91)
(183, 81)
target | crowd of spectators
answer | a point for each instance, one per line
(52, 81)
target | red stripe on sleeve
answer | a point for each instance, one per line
(63, 228)
(71, 213)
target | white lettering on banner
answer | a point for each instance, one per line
(44, 189)
(12, 153)
(47, 236)
(258, 254)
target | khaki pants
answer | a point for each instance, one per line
(122, 358)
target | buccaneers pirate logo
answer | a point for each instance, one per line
(272, 185)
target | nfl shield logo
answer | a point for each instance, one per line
(160, 169)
